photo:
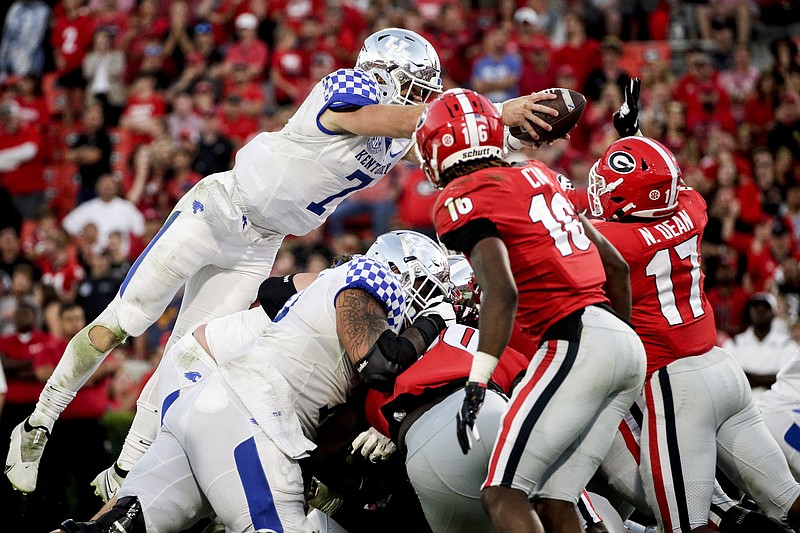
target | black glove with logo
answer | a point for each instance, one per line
(465, 420)
(626, 120)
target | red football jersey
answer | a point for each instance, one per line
(670, 311)
(448, 361)
(556, 267)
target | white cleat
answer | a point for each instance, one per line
(107, 483)
(24, 454)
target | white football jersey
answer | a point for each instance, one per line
(303, 344)
(785, 392)
(293, 179)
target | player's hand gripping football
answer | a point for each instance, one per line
(626, 120)
(373, 446)
(522, 111)
(465, 420)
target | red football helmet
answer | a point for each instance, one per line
(636, 176)
(458, 126)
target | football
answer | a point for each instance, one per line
(570, 106)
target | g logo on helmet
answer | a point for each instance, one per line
(622, 162)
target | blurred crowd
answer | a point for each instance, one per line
(110, 110)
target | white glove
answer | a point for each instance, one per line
(442, 307)
(373, 445)
(321, 497)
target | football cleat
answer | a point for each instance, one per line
(24, 453)
(108, 482)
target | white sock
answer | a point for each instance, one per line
(52, 402)
(140, 436)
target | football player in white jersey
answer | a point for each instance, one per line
(230, 443)
(222, 236)
(780, 408)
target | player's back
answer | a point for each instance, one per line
(442, 369)
(670, 311)
(556, 267)
(294, 178)
(303, 343)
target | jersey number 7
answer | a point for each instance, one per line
(660, 268)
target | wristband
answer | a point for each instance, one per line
(483, 365)
(499, 107)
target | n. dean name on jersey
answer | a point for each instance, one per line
(370, 165)
(675, 226)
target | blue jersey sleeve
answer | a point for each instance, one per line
(378, 281)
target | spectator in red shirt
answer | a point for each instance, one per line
(82, 419)
(70, 38)
(415, 204)
(289, 68)
(21, 166)
(111, 18)
(527, 34)
(455, 41)
(538, 72)
(145, 108)
(182, 176)
(761, 262)
(248, 49)
(237, 122)
(19, 352)
(145, 24)
(31, 102)
(728, 298)
(700, 70)
(709, 111)
(320, 65)
(579, 51)
(759, 108)
(59, 266)
(740, 81)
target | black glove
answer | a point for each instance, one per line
(473, 400)
(626, 120)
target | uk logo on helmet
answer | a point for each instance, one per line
(622, 162)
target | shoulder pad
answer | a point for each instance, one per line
(377, 280)
(349, 87)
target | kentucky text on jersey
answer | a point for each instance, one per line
(370, 165)
(675, 226)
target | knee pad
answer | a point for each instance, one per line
(125, 517)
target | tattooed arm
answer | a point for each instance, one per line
(377, 353)
(360, 320)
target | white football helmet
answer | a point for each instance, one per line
(403, 63)
(420, 263)
(462, 277)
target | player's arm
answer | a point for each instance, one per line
(618, 282)
(480, 239)
(392, 121)
(376, 351)
(399, 121)
(275, 291)
(490, 263)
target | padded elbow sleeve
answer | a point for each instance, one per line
(274, 292)
(389, 356)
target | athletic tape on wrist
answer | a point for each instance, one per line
(483, 365)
